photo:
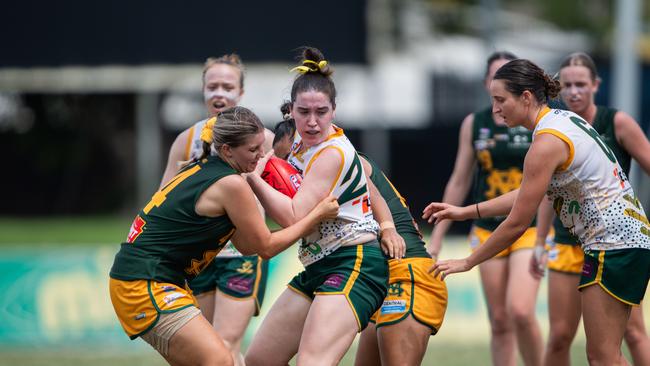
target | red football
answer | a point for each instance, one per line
(282, 176)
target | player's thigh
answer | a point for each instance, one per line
(564, 303)
(403, 343)
(331, 321)
(232, 316)
(206, 302)
(197, 343)
(522, 286)
(494, 279)
(278, 337)
(368, 349)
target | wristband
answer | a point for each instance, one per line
(478, 213)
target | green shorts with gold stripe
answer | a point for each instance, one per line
(360, 272)
(622, 273)
(240, 278)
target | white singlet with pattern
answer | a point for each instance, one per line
(350, 187)
(590, 192)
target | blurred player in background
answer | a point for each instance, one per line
(591, 194)
(180, 231)
(345, 278)
(510, 290)
(231, 290)
(579, 81)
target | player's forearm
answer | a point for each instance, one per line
(498, 206)
(545, 217)
(277, 205)
(283, 239)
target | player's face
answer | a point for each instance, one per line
(282, 148)
(313, 113)
(578, 88)
(506, 105)
(245, 157)
(221, 88)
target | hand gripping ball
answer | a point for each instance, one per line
(282, 176)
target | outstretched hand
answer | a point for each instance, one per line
(446, 267)
(439, 211)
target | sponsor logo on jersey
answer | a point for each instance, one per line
(137, 227)
(393, 306)
(140, 316)
(168, 288)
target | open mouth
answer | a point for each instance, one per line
(218, 104)
(312, 133)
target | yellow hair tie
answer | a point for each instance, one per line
(305, 68)
(206, 133)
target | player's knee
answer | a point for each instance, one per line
(522, 318)
(500, 323)
(560, 340)
(634, 336)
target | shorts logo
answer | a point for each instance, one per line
(334, 280)
(393, 306)
(395, 289)
(246, 268)
(240, 284)
(553, 254)
(140, 316)
(474, 242)
(168, 288)
(169, 299)
(587, 269)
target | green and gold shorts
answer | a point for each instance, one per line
(359, 272)
(240, 278)
(622, 273)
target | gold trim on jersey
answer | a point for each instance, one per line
(188, 144)
(338, 175)
(566, 140)
(541, 114)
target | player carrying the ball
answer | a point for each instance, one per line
(346, 274)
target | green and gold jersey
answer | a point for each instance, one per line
(500, 152)
(404, 223)
(604, 125)
(168, 240)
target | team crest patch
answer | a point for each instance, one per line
(393, 306)
(334, 280)
(240, 284)
(169, 299)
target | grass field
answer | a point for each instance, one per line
(463, 348)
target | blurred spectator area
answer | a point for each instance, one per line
(74, 99)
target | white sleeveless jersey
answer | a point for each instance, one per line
(590, 192)
(350, 187)
(194, 150)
